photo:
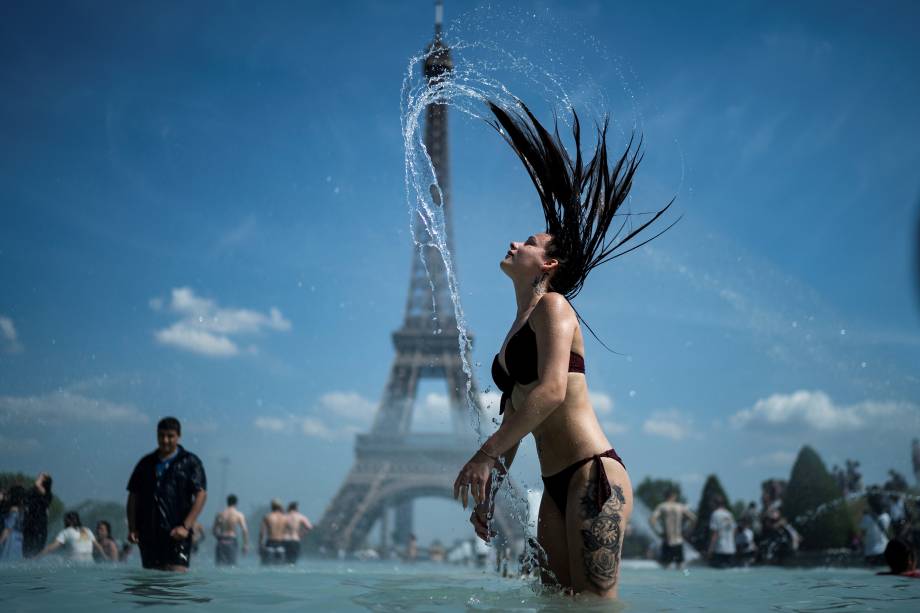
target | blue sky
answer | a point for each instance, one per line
(168, 166)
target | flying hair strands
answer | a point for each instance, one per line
(580, 198)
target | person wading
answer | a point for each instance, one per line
(540, 367)
(167, 492)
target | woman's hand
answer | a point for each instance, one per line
(473, 479)
(481, 517)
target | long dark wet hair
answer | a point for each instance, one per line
(72, 520)
(580, 197)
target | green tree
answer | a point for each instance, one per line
(652, 492)
(896, 482)
(815, 505)
(55, 511)
(711, 489)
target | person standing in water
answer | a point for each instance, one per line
(109, 548)
(297, 527)
(271, 535)
(226, 523)
(721, 552)
(78, 541)
(873, 529)
(668, 520)
(12, 515)
(167, 492)
(540, 367)
(35, 521)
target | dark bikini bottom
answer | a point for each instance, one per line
(557, 486)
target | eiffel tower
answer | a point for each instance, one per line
(394, 466)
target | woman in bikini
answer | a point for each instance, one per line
(540, 367)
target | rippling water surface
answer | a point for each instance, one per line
(380, 586)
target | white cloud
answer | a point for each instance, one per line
(66, 407)
(237, 236)
(816, 410)
(431, 411)
(185, 336)
(350, 405)
(9, 340)
(612, 427)
(780, 459)
(311, 427)
(13, 446)
(602, 403)
(271, 424)
(314, 428)
(669, 424)
(205, 328)
(336, 415)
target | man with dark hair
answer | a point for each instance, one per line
(225, 525)
(668, 521)
(167, 492)
(35, 518)
(296, 527)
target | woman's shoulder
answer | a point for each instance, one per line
(553, 306)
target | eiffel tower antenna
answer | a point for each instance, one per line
(394, 466)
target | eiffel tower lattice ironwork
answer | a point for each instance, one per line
(394, 466)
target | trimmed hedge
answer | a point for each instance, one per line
(814, 504)
(700, 538)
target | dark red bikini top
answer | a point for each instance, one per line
(521, 358)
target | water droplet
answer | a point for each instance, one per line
(843, 332)
(632, 393)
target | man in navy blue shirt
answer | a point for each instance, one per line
(167, 492)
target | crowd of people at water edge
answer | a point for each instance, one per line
(167, 492)
(280, 533)
(540, 367)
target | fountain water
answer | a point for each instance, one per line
(482, 71)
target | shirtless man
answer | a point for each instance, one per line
(225, 525)
(297, 526)
(668, 521)
(271, 535)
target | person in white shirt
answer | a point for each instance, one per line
(78, 541)
(874, 531)
(721, 551)
(744, 543)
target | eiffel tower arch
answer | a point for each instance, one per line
(394, 466)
